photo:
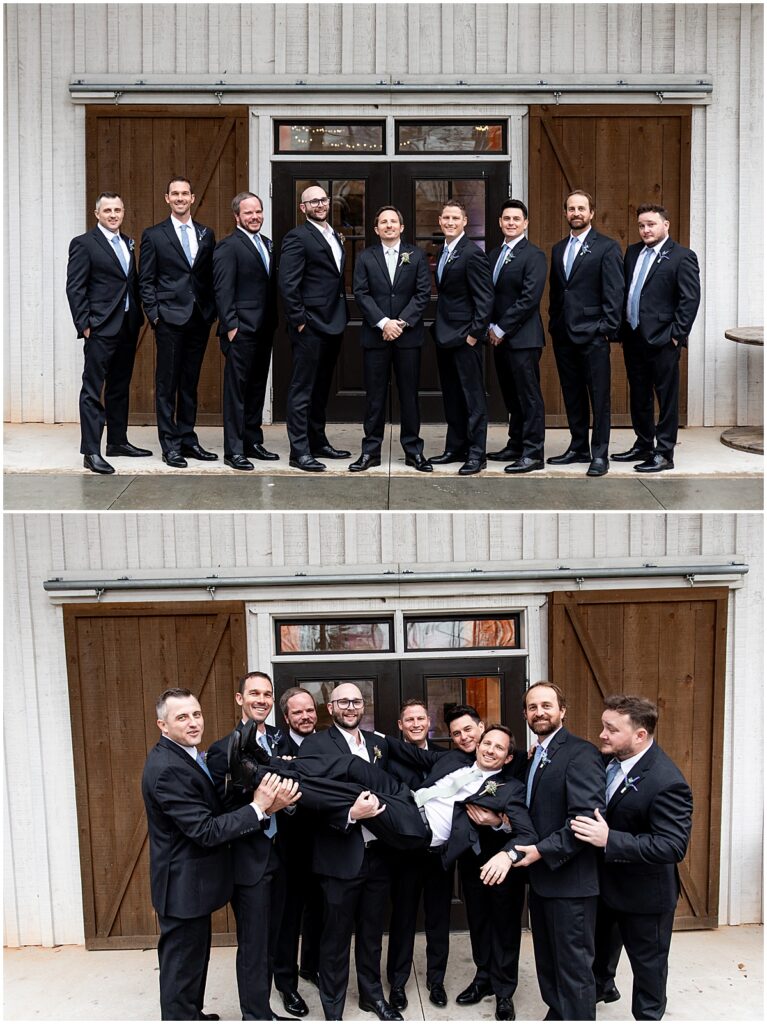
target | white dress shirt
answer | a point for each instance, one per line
(330, 237)
(110, 235)
(191, 234)
(439, 811)
(359, 748)
(625, 771)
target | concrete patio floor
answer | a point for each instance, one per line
(43, 471)
(713, 975)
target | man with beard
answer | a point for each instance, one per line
(311, 280)
(585, 303)
(303, 898)
(565, 778)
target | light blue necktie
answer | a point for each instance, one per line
(533, 769)
(635, 295)
(500, 262)
(611, 771)
(121, 258)
(570, 258)
(261, 251)
(442, 262)
(185, 243)
(201, 762)
(271, 828)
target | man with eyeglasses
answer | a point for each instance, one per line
(311, 281)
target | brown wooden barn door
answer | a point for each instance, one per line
(668, 646)
(623, 156)
(135, 151)
(120, 657)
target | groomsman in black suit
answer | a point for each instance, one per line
(103, 295)
(392, 286)
(464, 305)
(662, 299)
(176, 283)
(258, 872)
(311, 280)
(565, 778)
(244, 283)
(585, 302)
(516, 334)
(189, 857)
(642, 837)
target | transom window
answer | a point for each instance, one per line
(461, 633)
(347, 636)
(330, 137)
(455, 137)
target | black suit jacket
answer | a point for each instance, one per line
(518, 292)
(169, 286)
(189, 858)
(338, 849)
(406, 298)
(589, 305)
(310, 283)
(97, 285)
(670, 297)
(571, 783)
(464, 296)
(246, 296)
(650, 823)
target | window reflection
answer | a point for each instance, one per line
(431, 194)
(444, 692)
(456, 634)
(321, 689)
(343, 637)
(346, 215)
(450, 138)
(330, 138)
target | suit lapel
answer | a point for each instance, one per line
(249, 244)
(378, 256)
(402, 249)
(667, 247)
(325, 245)
(590, 238)
(172, 237)
(100, 238)
(179, 752)
(551, 752)
(639, 771)
(454, 256)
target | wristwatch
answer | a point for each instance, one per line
(512, 855)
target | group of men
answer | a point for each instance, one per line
(308, 850)
(647, 300)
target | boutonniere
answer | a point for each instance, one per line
(274, 738)
(630, 783)
(131, 245)
(509, 257)
(453, 256)
(665, 255)
(201, 233)
(545, 759)
(491, 788)
(340, 238)
(584, 249)
(268, 243)
(404, 259)
(377, 754)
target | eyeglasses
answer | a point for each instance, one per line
(344, 702)
(314, 203)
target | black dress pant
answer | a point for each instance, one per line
(412, 874)
(520, 379)
(180, 352)
(494, 914)
(584, 376)
(463, 394)
(563, 941)
(353, 906)
(258, 912)
(647, 938)
(301, 918)
(108, 365)
(314, 360)
(377, 364)
(245, 375)
(653, 372)
(183, 951)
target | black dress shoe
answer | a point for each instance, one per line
(327, 451)
(598, 467)
(311, 976)
(308, 463)
(419, 462)
(655, 464)
(294, 1004)
(237, 462)
(196, 451)
(397, 998)
(381, 1009)
(276, 1016)
(524, 465)
(566, 458)
(446, 457)
(507, 454)
(257, 451)
(472, 466)
(634, 454)
(608, 995)
(437, 994)
(127, 449)
(364, 462)
(473, 993)
(96, 464)
(504, 1008)
(174, 459)
(209, 1016)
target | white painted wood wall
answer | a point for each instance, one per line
(42, 896)
(48, 44)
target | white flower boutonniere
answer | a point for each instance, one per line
(545, 759)
(509, 257)
(584, 249)
(631, 783)
(377, 754)
(340, 238)
(491, 788)
(665, 255)
(404, 259)
(201, 233)
(453, 256)
(131, 245)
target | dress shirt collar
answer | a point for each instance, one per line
(297, 738)
(655, 248)
(513, 242)
(177, 224)
(192, 751)
(544, 743)
(354, 745)
(454, 243)
(109, 235)
(580, 239)
(324, 228)
(392, 248)
(250, 234)
(627, 765)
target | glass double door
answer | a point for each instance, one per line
(357, 190)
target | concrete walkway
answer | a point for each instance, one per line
(43, 470)
(713, 975)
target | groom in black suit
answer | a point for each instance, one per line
(585, 302)
(642, 837)
(103, 295)
(311, 282)
(392, 286)
(662, 299)
(176, 282)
